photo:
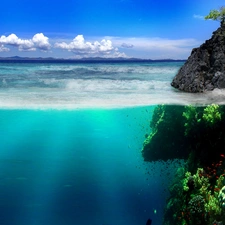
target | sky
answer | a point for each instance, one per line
(147, 29)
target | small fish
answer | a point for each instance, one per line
(149, 222)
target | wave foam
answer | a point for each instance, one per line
(102, 97)
(95, 86)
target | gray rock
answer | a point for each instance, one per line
(204, 70)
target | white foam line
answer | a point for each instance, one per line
(113, 102)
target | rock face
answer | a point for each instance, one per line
(205, 68)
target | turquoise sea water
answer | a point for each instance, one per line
(71, 139)
(78, 167)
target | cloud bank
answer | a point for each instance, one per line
(80, 47)
(108, 47)
(39, 41)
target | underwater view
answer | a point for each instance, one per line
(108, 144)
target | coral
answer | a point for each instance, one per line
(220, 182)
(197, 117)
(196, 199)
(196, 134)
(212, 207)
(200, 180)
(217, 222)
(186, 181)
(221, 197)
(197, 181)
(205, 131)
(202, 198)
(175, 204)
(211, 114)
(196, 206)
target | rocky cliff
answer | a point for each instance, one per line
(205, 68)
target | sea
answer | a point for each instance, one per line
(71, 135)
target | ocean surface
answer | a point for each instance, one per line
(71, 136)
(90, 85)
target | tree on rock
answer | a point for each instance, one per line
(217, 15)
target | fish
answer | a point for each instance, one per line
(149, 222)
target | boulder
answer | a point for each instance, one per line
(204, 70)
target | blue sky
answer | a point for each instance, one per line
(106, 28)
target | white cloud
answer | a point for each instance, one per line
(117, 54)
(12, 39)
(198, 17)
(39, 41)
(140, 47)
(81, 47)
(156, 48)
(125, 45)
(4, 49)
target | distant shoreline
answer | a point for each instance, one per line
(18, 59)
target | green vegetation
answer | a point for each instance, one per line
(165, 142)
(196, 117)
(185, 131)
(196, 134)
(192, 118)
(217, 15)
(196, 199)
(211, 114)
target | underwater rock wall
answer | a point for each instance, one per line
(165, 140)
(186, 132)
(197, 134)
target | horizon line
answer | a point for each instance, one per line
(18, 58)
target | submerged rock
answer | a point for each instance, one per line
(205, 68)
(186, 132)
(166, 140)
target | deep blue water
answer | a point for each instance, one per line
(61, 167)
(71, 139)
